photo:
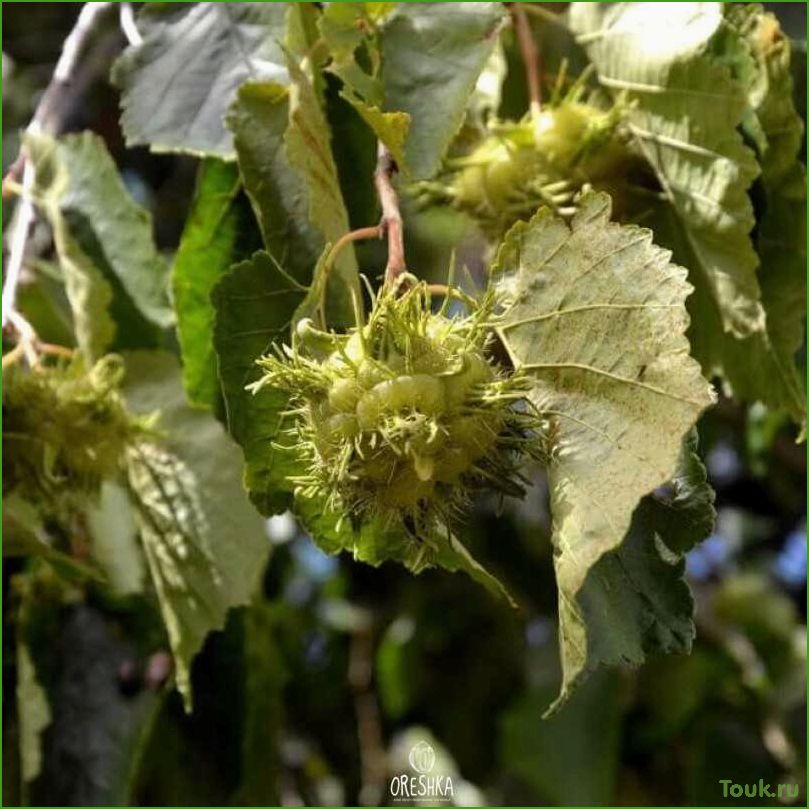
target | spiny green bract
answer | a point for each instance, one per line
(404, 417)
(545, 160)
(65, 429)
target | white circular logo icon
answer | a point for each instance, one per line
(422, 757)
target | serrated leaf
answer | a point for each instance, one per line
(178, 83)
(685, 112)
(596, 314)
(254, 306)
(289, 173)
(350, 31)
(375, 542)
(258, 119)
(34, 714)
(205, 545)
(113, 272)
(432, 55)
(635, 599)
(308, 146)
(218, 232)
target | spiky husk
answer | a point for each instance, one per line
(65, 429)
(548, 160)
(405, 417)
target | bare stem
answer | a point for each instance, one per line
(373, 232)
(530, 56)
(48, 117)
(391, 223)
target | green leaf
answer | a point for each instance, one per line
(217, 233)
(432, 55)
(289, 173)
(115, 548)
(350, 32)
(34, 714)
(113, 272)
(258, 119)
(254, 306)
(635, 599)
(685, 112)
(375, 542)
(596, 314)
(390, 127)
(205, 545)
(763, 366)
(178, 83)
(308, 146)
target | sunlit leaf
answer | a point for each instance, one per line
(219, 231)
(116, 281)
(685, 112)
(595, 312)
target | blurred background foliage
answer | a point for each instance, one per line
(312, 695)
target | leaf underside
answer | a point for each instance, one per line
(596, 314)
(178, 83)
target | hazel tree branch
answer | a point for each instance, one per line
(391, 222)
(48, 117)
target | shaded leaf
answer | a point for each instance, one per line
(685, 112)
(635, 599)
(611, 367)
(198, 55)
(763, 367)
(204, 544)
(254, 306)
(218, 232)
(432, 55)
(113, 272)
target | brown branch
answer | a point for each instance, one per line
(530, 56)
(391, 222)
(373, 232)
(49, 117)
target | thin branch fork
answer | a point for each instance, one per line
(391, 223)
